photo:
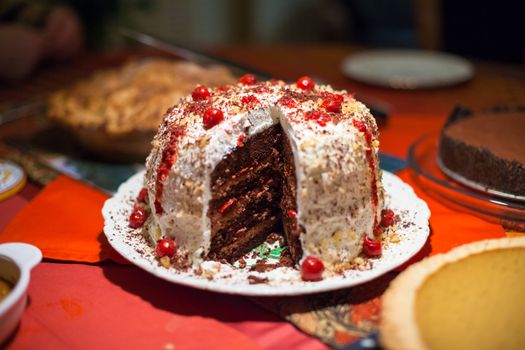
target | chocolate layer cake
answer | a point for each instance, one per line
(232, 165)
(486, 148)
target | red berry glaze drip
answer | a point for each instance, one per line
(332, 106)
(335, 97)
(250, 101)
(361, 126)
(371, 247)
(332, 102)
(291, 214)
(387, 217)
(197, 107)
(378, 231)
(240, 140)
(165, 247)
(312, 269)
(305, 83)
(223, 208)
(138, 217)
(200, 93)
(212, 117)
(168, 158)
(287, 101)
(320, 118)
(141, 198)
(223, 88)
(248, 79)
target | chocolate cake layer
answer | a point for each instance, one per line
(254, 195)
(251, 177)
(246, 191)
(288, 203)
(230, 231)
(244, 207)
(254, 150)
(242, 241)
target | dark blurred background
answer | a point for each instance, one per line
(477, 29)
(33, 32)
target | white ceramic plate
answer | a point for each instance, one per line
(407, 69)
(412, 231)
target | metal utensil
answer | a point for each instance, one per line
(22, 110)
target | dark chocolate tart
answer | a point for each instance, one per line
(485, 150)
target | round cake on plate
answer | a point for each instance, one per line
(232, 165)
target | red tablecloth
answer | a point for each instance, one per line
(111, 306)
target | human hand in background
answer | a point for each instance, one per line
(23, 47)
(63, 34)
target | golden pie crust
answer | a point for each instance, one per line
(471, 297)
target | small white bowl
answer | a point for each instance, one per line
(16, 262)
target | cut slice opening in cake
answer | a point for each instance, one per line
(252, 196)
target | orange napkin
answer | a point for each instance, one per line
(64, 220)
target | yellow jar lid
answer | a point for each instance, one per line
(12, 179)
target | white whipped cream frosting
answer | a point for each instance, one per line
(334, 196)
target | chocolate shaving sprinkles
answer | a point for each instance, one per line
(257, 280)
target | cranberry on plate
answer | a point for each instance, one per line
(312, 269)
(387, 217)
(138, 217)
(165, 247)
(371, 247)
